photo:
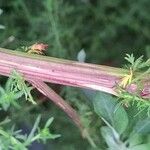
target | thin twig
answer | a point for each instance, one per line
(53, 96)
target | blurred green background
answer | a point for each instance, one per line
(105, 29)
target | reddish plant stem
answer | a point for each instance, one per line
(60, 71)
(53, 96)
(65, 72)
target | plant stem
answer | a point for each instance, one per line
(66, 72)
(60, 71)
(53, 96)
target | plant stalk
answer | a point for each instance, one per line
(66, 72)
(60, 71)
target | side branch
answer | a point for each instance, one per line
(53, 96)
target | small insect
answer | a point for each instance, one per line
(37, 48)
(127, 79)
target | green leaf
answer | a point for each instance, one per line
(49, 121)
(107, 134)
(141, 147)
(107, 107)
(143, 126)
(31, 135)
(111, 140)
(135, 139)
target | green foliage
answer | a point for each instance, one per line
(143, 126)
(139, 69)
(135, 139)
(135, 101)
(115, 136)
(14, 89)
(18, 84)
(141, 147)
(86, 115)
(112, 141)
(106, 30)
(137, 64)
(9, 96)
(107, 107)
(14, 140)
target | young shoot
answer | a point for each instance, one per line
(132, 87)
